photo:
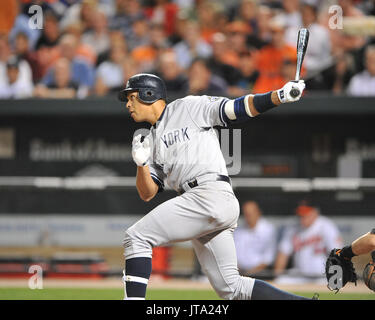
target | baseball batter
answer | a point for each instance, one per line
(183, 150)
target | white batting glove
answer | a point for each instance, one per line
(284, 93)
(141, 151)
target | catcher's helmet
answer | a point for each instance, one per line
(150, 88)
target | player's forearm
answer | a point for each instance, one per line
(274, 98)
(243, 108)
(146, 187)
(364, 244)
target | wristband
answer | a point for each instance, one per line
(263, 102)
(347, 252)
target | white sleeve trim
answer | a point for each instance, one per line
(229, 110)
(247, 107)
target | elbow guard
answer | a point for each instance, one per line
(238, 110)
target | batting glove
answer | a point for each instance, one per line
(141, 151)
(284, 93)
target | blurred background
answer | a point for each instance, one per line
(67, 179)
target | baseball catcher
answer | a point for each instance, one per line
(182, 148)
(339, 267)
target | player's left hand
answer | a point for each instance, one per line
(284, 93)
(141, 150)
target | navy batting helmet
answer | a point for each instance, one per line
(150, 88)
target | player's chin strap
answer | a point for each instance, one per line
(128, 278)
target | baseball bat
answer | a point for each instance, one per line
(302, 41)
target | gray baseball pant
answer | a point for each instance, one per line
(207, 215)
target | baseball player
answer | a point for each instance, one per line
(309, 241)
(183, 149)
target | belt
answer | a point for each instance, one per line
(202, 179)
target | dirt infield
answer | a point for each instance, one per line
(159, 283)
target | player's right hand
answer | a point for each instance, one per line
(284, 93)
(141, 150)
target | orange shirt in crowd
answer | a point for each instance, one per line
(144, 55)
(269, 62)
(207, 34)
(87, 54)
(8, 13)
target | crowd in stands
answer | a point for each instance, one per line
(228, 48)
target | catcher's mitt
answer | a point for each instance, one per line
(339, 271)
(369, 275)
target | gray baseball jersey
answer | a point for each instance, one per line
(185, 145)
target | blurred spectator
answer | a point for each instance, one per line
(163, 12)
(222, 60)
(309, 241)
(237, 33)
(129, 68)
(248, 75)
(83, 50)
(14, 86)
(261, 36)
(182, 19)
(270, 60)
(50, 33)
(291, 15)
(141, 34)
(207, 12)
(192, 46)
(82, 12)
(98, 37)
(146, 56)
(288, 68)
(256, 242)
(171, 72)
(202, 81)
(247, 12)
(46, 46)
(82, 72)
(363, 83)
(62, 85)
(22, 51)
(127, 11)
(318, 55)
(115, 37)
(109, 75)
(343, 72)
(185, 4)
(24, 70)
(336, 78)
(21, 25)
